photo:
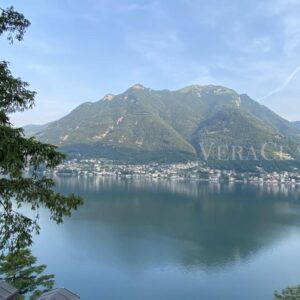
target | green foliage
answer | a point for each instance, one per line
(271, 119)
(126, 155)
(14, 23)
(143, 125)
(14, 94)
(18, 154)
(19, 269)
(290, 293)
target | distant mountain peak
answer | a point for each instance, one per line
(191, 88)
(108, 97)
(210, 88)
(166, 126)
(138, 86)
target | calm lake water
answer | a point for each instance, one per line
(174, 240)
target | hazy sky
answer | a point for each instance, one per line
(77, 51)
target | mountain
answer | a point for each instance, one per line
(142, 125)
(297, 124)
(32, 129)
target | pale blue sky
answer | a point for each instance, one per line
(77, 51)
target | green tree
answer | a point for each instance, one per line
(19, 188)
(19, 269)
(289, 293)
(14, 23)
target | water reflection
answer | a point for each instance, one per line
(189, 188)
(189, 224)
(174, 240)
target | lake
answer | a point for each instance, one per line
(174, 240)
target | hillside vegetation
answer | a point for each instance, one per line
(142, 125)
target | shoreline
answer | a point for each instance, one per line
(178, 179)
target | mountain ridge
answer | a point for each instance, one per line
(297, 124)
(145, 122)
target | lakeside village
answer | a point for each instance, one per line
(179, 171)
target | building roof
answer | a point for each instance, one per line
(6, 290)
(59, 294)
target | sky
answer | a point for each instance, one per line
(77, 51)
